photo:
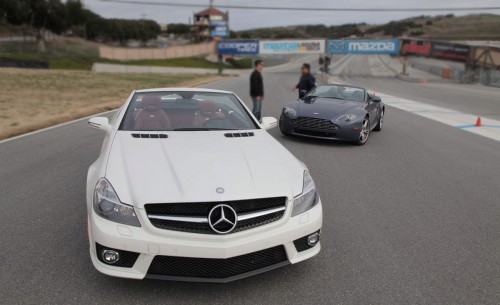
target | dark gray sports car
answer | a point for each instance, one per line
(334, 112)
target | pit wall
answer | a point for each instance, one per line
(118, 53)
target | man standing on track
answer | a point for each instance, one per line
(257, 88)
(306, 82)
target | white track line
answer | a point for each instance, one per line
(490, 128)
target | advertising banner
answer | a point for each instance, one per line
(292, 46)
(416, 47)
(220, 33)
(237, 47)
(450, 51)
(218, 23)
(435, 49)
(364, 46)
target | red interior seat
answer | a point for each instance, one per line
(208, 111)
(152, 117)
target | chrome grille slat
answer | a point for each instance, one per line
(314, 123)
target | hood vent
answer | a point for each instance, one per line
(150, 135)
(239, 134)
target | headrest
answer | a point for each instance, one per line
(208, 108)
(151, 102)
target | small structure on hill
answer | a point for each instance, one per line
(209, 24)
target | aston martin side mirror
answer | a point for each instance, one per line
(376, 99)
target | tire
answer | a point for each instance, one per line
(380, 122)
(364, 134)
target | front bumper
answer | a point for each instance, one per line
(346, 131)
(150, 242)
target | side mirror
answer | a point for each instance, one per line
(101, 123)
(269, 123)
(376, 99)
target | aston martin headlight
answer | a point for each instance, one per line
(346, 118)
(308, 198)
(290, 112)
(107, 205)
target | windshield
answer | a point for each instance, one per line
(185, 111)
(338, 92)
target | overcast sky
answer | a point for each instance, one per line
(246, 19)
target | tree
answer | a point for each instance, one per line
(41, 15)
(77, 15)
(178, 28)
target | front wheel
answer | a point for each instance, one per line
(364, 133)
(380, 122)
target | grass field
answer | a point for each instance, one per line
(33, 99)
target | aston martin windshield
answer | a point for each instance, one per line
(185, 111)
(338, 92)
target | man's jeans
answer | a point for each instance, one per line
(257, 107)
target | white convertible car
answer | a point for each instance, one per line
(190, 186)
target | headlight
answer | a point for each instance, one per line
(290, 112)
(308, 198)
(346, 118)
(107, 205)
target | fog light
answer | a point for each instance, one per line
(110, 256)
(313, 239)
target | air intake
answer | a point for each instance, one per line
(150, 135)
(239, 134)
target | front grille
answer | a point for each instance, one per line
(202, 209)
(314, 123)
(214, 268)
(127, 258)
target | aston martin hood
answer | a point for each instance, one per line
(190, 166)
(325, 107)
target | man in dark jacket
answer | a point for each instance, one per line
(257, 88)
(306, 82)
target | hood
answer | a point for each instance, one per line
(326, 108)
(189, 166)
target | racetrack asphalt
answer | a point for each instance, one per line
(412, 217)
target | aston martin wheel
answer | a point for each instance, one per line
(364, 133)
(380, 122)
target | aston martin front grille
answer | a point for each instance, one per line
(193, 216)
(314, 123)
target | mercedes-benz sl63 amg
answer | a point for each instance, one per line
(190, 186)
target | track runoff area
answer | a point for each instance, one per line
(449, 51)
